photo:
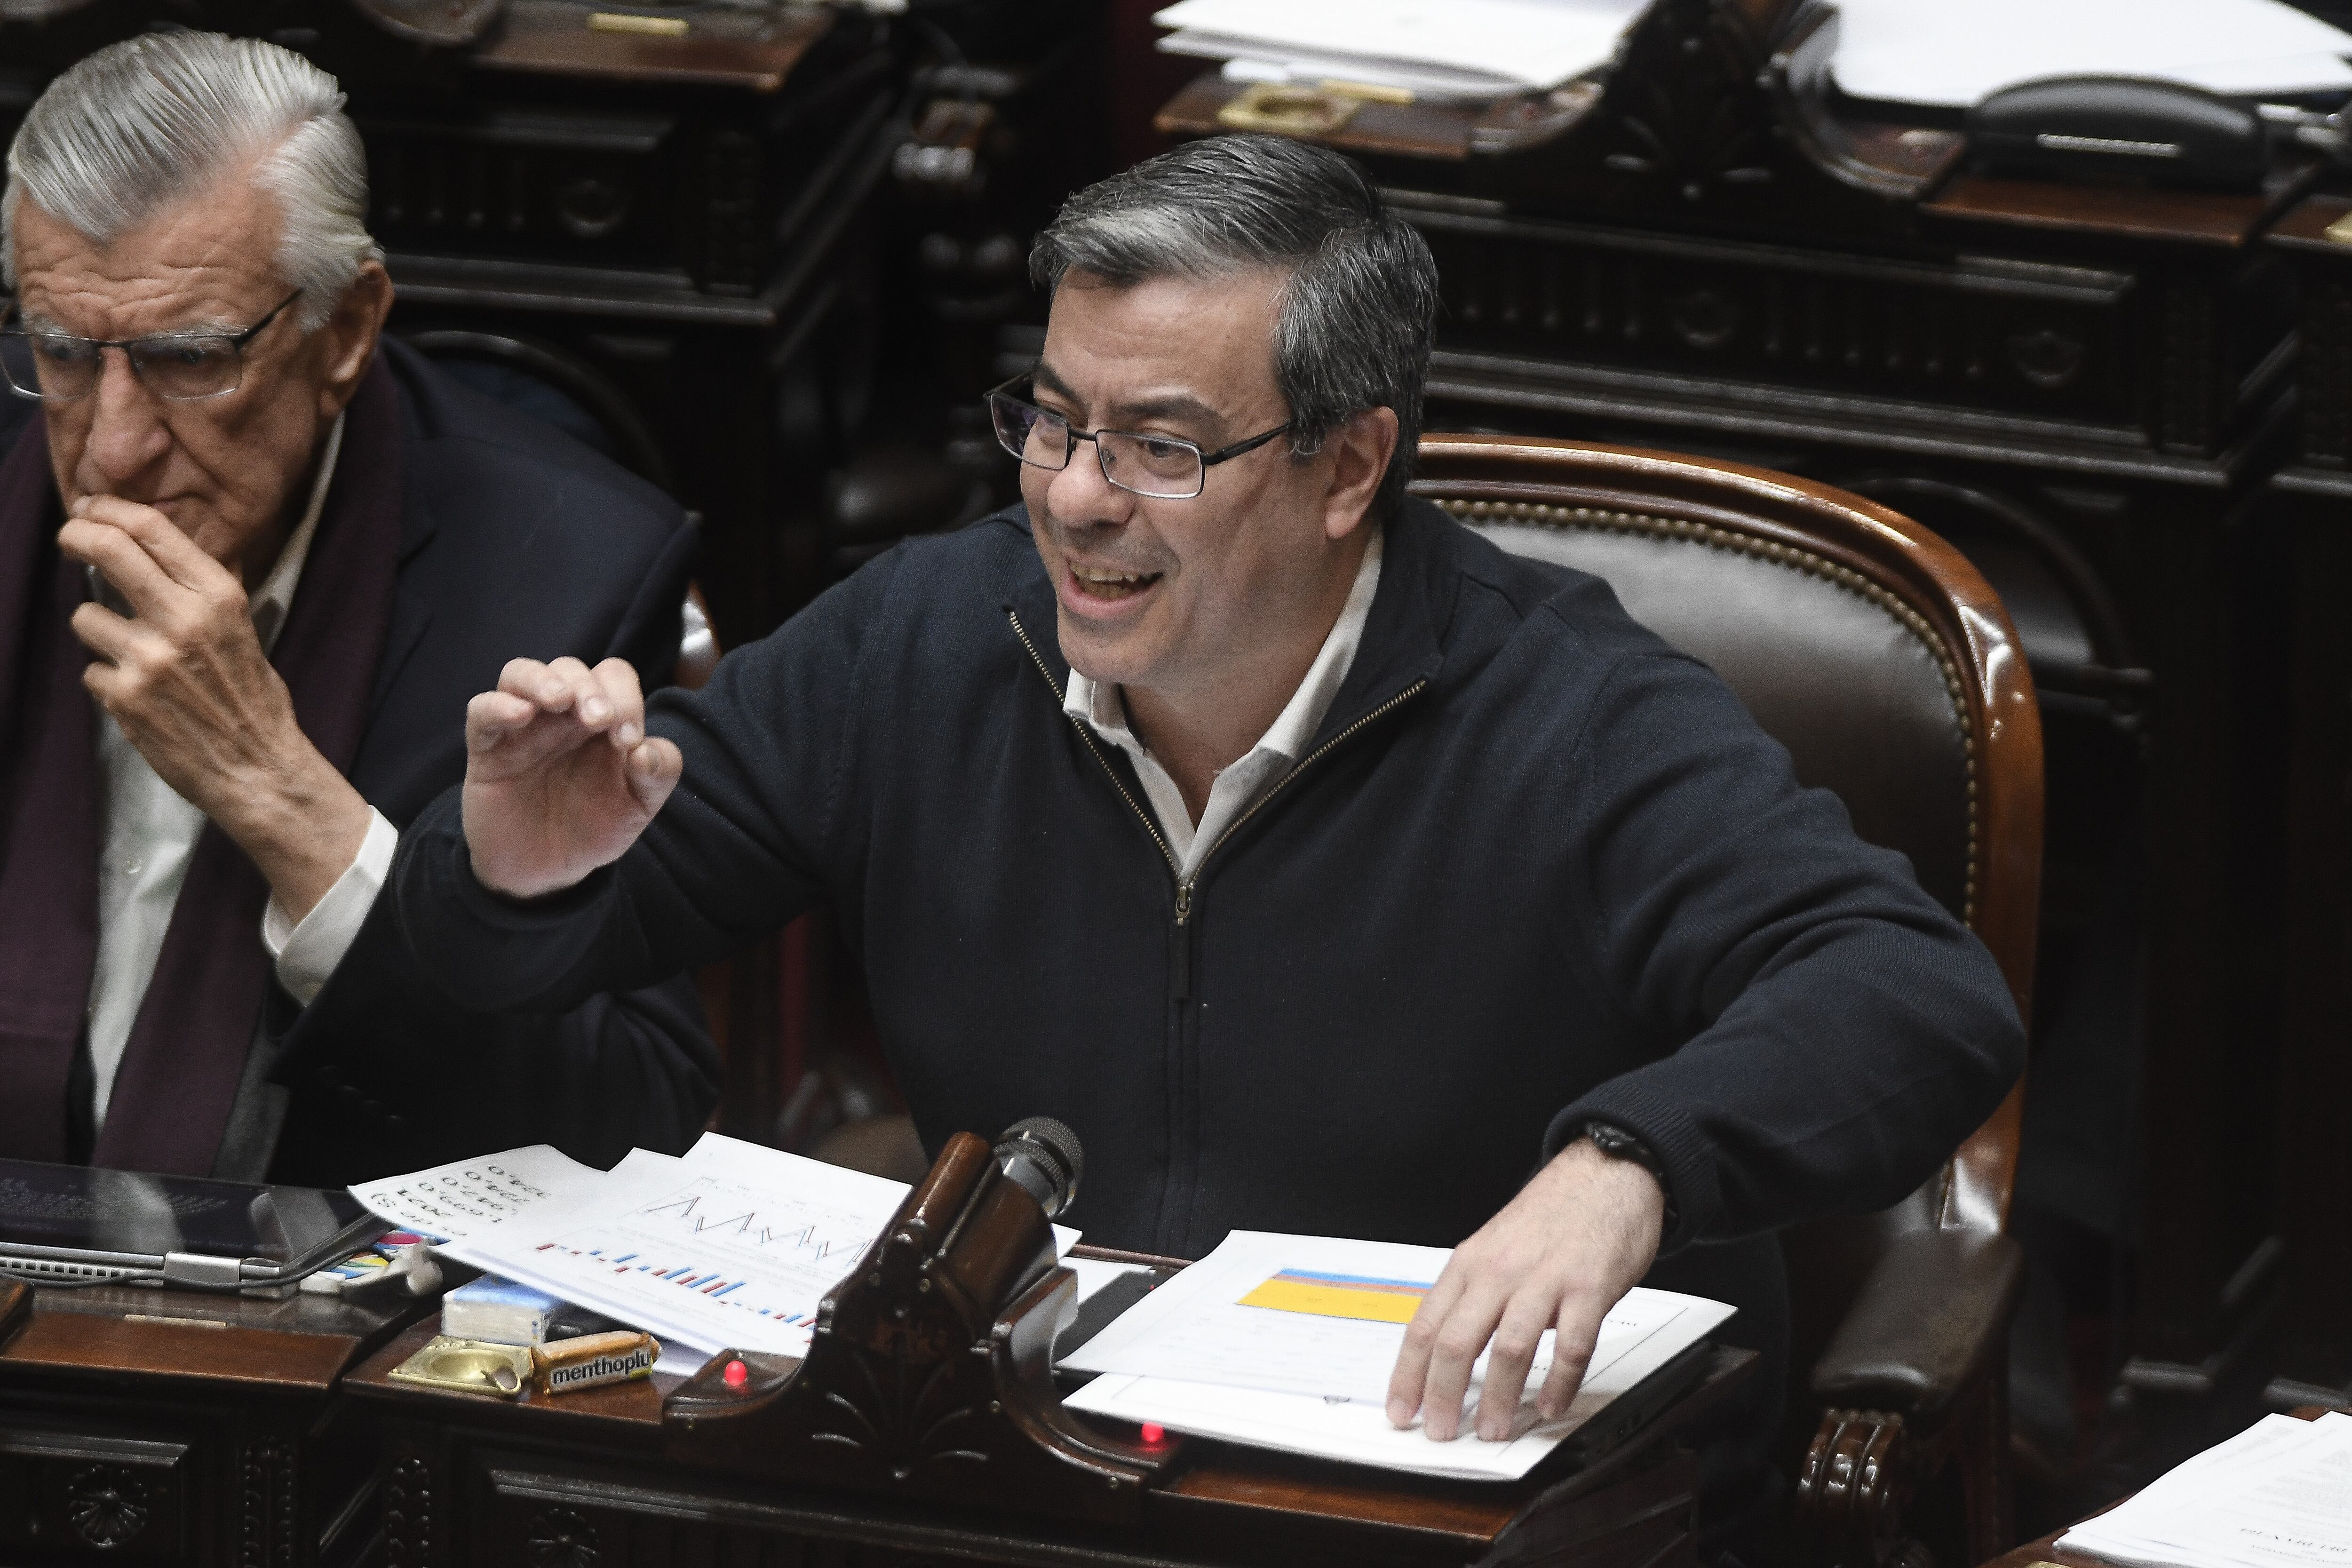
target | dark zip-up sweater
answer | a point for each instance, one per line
(1534, 868)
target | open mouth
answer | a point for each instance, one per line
(1099, 582)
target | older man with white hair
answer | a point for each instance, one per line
(253, 561)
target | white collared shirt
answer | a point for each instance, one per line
(1237, 788)
(150, 837)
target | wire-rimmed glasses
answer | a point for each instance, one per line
(1164, 468)
(180, 367)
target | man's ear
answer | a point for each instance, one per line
(1360, 451)
(348, 338)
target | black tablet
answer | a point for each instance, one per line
(71, 1222)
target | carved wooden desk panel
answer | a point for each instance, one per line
(592, 1480)
(165, 1426)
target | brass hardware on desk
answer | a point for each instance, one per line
(2340, 231)
(1288, 111)
(467, 1366)
(648, 27)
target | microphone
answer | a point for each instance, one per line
(1043, 1157)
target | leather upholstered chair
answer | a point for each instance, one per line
(1878, 656)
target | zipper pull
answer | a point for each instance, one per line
(1180, 946)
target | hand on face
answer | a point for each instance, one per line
(187, 679)
(1559, 1255)
(559, 776)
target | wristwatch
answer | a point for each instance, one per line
(1619, 1144)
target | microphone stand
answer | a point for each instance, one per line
(930, 1372)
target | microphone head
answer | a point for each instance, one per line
(1043, 1155)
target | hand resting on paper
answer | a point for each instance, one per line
(1559, 1255)
(560, 777)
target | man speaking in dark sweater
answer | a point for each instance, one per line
(1328, 869)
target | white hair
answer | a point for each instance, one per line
(147, 122)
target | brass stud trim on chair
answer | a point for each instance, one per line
(1601, 520)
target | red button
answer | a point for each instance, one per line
(1153, 1432)
(736, 1376)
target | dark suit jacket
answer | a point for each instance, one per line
(515, 540)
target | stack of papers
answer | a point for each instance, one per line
(2278, 1495)
(1925, 52)
(1287, 1341)
(1435, 48)
(1933, 53)
(730, 1246)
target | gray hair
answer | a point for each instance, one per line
(148, 122)
(1358, 309)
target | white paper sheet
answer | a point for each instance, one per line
(1932, 52)
(1489, 46)
(2278, 1495)
(1202, 1327)
(1359, 1432)
(1928, 52)
(731, 1245)
(467, 1196)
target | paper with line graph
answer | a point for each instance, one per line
(730, 1246)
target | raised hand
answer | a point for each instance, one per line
(1559, 1255)
(561, 776)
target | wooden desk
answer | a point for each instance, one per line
(166, 1427)
(924, 1427)
(592, 1479)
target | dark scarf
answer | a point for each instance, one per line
(179, 1074)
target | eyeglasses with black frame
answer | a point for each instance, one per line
(1164, 468)
(180, 367)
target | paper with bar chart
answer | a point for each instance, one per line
(731, 1244)
(1319, 1315)
(732, 1247)
(1286, 1341)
